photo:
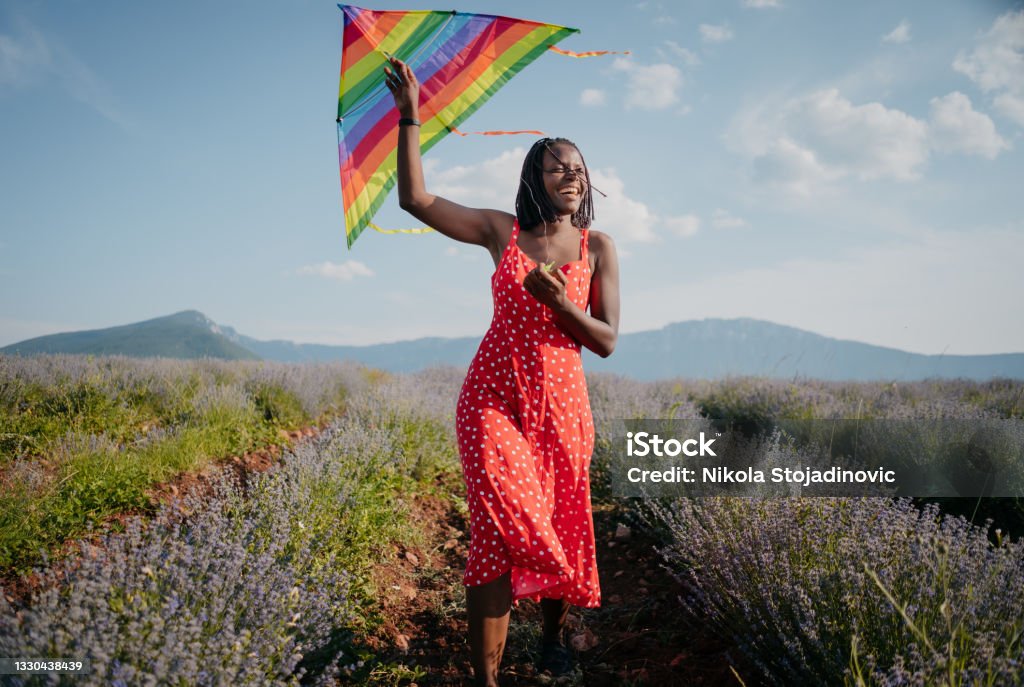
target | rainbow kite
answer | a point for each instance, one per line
(460, 60)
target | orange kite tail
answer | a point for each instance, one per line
(590, 53)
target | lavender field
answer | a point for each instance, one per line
(268, 582)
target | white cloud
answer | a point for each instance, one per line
(346, 271)
(869, 141)
(955, 126)
(722, 219)
(901, 34)
(996, 64)
(592, 97)
(791, 166)
(491, 183)
(823, 137)
(807, 142)
(1010, 106)
(683, 225)
(676, 51)
(625, 219)
(662, 17)
(711, 33)
(761, 4)
(651, 86)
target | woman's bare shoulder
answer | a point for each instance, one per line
(600, 244)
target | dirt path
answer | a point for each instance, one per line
(637, 637)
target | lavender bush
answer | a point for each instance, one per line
(418, 413)
(809, 588)
(832, 591)
(246, 586)
(760, 400)
(220, 597)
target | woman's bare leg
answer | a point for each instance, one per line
(554, 612)
(488, 606)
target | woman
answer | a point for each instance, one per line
(523, 417)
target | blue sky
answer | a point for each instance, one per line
(852, 169)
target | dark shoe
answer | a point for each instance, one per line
(555, 659)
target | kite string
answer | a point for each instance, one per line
(540, 213)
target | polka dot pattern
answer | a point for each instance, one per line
(525, 438)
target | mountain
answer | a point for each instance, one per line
(401, 356)
(716, 348)
(187, 334)
(710, 348)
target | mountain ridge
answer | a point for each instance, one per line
(708, 348)
(188, 334)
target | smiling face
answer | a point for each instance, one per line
(565, 177)
(554, 184)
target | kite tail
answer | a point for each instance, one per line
(421, 230)
(494, 133)
(589, 53)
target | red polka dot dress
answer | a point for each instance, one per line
(525, 437)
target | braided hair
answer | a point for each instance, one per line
(533, 206)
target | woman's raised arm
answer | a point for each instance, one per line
(469, 225)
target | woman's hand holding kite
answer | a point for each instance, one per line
(402, 83)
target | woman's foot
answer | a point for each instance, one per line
(554, 659)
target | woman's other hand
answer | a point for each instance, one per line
(404, 87)
(547, 287)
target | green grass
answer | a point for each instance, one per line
(99, 461)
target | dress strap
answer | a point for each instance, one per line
(584, 243)
(512, 241)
